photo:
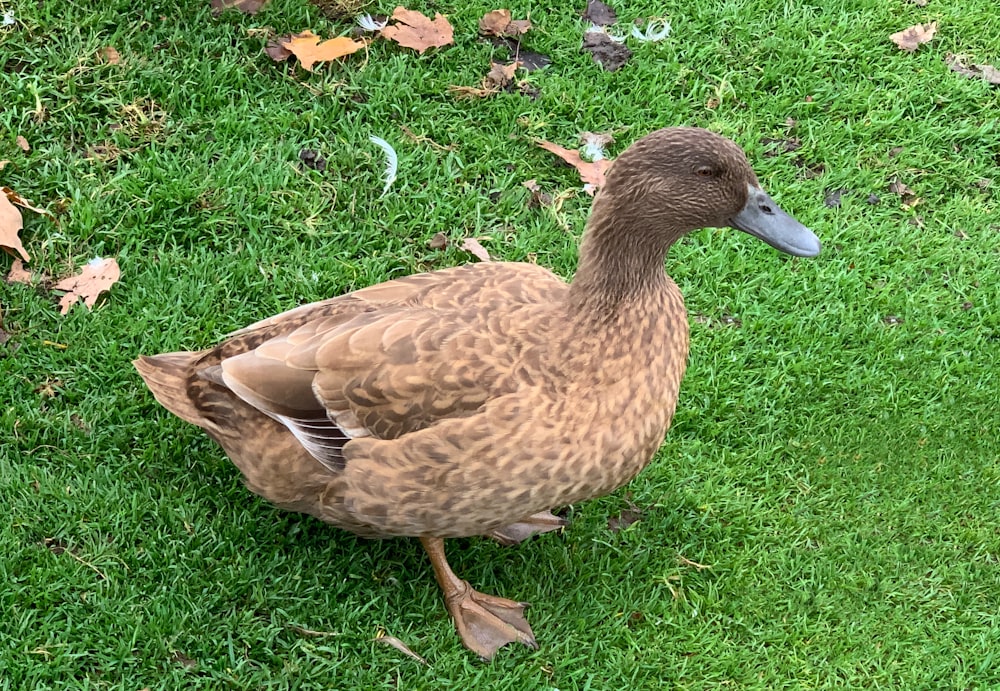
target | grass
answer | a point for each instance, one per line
(833, 458)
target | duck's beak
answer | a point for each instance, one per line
(764, 219)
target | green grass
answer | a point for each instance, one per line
(838, 471)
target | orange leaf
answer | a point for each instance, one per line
(909, 39)
(97, 276)
(307, 48)
(591, 172)
(416, 31)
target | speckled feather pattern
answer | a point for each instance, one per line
(455, 402)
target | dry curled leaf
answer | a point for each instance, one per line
(414, 30)
(591, 172)
(382, 637)
(472, 246)
(911, 38)
(15, 198)
(499, 23)
(308, 48)
(18, 274)
(499, 77)
(989, 73)
(10, 227)
(23, 144)
(95, 278)
(538, 196)
(438, 242)
(109, 55)
(244, 6)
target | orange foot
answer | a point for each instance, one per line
(484, 622)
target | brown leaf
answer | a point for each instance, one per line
(414, 30)
(607, 52)
(244, 6)
(499, 77)
(499, 23)
(95, 278)
(987, 72)
(276, 50)
(307, 47)
(600, 14)
(10, 225)
(15, 198)
(591, 172)
(900, 188)
(538, 197)
(472, 246)
(909, 39)
(18, 274)
(382, 637)
(109, 55)
(438, 242)
(23, 144)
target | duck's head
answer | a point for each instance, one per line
(680, 179)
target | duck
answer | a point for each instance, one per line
(474, 400)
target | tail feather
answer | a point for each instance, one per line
(168, 376)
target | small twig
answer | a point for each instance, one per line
(687, 562)
(310, 632)
(87, 564)
(420, 139)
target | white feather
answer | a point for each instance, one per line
(8, 18)
(652, 33)
(392, 161)
(368, 23)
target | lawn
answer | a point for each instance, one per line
(825, 510)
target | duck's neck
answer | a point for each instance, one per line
(621, 259)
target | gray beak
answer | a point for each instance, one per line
(764, 219)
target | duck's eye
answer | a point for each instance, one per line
(704, 172)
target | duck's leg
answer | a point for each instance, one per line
(484, 622)
(515, 533)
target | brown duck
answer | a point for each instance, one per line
(472, 400)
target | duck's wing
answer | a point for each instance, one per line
(395, 365)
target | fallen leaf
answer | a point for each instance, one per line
(438, 242)
(95, 278)
(591, 172)
(600, 14)
(23, 144)
(989, 73)
(897, 187)
(499, 77)
(244, 6)
(414, 30)
(3, 164)
(472, 246)
(306, 46)
(18, 274)
(183, 660)
(109, 55)
(15, 198)
(538, 197)
(10, 226)
(625, 518)
(607, 52)
(499, 23)
(398, 645)
(909, 39)
(276, 50)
